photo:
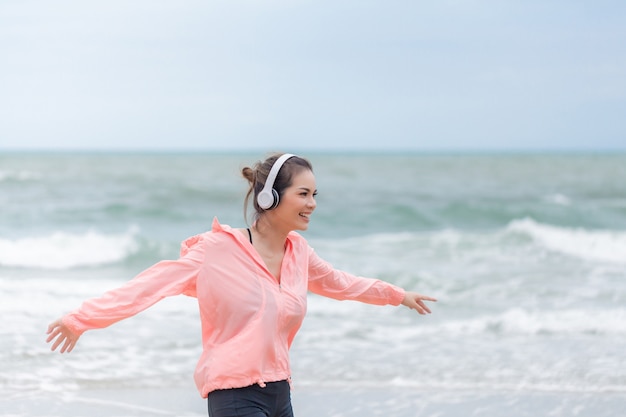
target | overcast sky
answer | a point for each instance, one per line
(313, 75)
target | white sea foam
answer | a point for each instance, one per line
(19, 176)
(520, 321)
(62, 250)
(592, 245)
(559, 199)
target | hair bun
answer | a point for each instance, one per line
(248, 173)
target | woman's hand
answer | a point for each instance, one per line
(64, 336)
(415, 301)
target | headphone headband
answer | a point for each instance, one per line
(268, 197)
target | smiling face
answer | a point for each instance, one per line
(297, 203)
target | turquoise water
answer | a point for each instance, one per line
(526, 253)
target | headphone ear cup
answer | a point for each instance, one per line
(276, 199)
(267, 199)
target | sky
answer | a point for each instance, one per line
(445, 75)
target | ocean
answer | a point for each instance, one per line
(526, 254)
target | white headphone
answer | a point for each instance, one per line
(268, 198)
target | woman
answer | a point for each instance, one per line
(251, 285)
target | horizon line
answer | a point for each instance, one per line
(389, 152)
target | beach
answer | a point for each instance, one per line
(330, 402)
(525, 253)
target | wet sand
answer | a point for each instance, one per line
(317, 402)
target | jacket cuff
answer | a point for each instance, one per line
(72, 323)
(398, 296)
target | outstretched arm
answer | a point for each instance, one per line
(164, 279)
(333, 283)
(415, 301)
(65, 337)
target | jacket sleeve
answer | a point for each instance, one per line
(329, 282)
(164, 279)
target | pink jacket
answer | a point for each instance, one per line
(248, 320)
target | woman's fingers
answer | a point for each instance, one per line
(54, 329)
(415, 301)
(57, 342)
(53, 325)
(51, 335)
(62, 337)
(67, 346)
(423, 306)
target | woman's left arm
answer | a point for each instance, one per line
(329, 282)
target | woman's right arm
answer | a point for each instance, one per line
(164, 279)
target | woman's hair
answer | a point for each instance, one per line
(257, 175)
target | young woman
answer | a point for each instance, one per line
(251, 285)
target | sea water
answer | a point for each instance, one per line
(525, 252)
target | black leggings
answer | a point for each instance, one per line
(273, 400)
